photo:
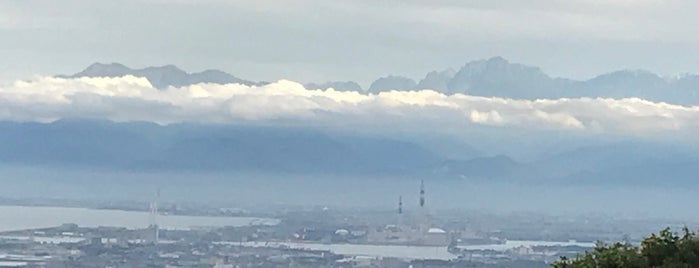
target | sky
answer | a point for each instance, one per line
(318, 40)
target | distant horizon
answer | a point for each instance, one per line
(312, 40)
(365, 86)
(9, 74)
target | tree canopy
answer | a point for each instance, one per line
(665, 249)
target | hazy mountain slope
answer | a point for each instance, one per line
(624, 163)
(141, 146)
(90, 145)
(481, 168)
(494, 77)
(337, 85)
(497, 77)
(628, 83)
(438, 81)
(392, 82)
(161, 76)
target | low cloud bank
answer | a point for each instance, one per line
(129, 98)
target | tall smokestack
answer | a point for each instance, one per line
(422, 193)
(400, 204)
(154, 217)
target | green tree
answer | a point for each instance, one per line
(664, 250)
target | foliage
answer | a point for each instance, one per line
(665, 249)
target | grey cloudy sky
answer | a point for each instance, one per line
(318, 40)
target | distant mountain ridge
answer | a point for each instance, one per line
(497, 77)
(146, 146)
(336, 85)
(139, 146)
(162, 76)
(494, 77)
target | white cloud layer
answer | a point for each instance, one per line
(129, 98)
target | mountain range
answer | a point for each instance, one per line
(162, 76)
(492, 155)
(146, 147)
(494, 77)
(497, 77)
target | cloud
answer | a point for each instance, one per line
(129, 98)
(491, 117)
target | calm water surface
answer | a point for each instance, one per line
(27, 217)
